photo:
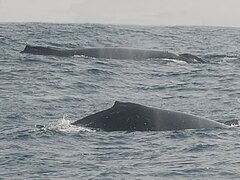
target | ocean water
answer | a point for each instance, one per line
(41, 95)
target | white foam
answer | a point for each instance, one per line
(64, 125)
(175, 61)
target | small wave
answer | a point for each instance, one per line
(221, 58)
(95, 71)
(80, 56)
(212, 56)
(64, 126)
(201, 147)
(231, 58)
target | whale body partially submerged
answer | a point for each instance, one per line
(113, 53)
(125, 116)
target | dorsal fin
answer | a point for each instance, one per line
(26, 48)
(117, 103)
(125, 104)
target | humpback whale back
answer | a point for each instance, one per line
(112, 53)
(125, 53)
(39, 50)
(186, 57)
(134, 117)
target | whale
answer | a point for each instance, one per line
(112, 53)
(127, 116)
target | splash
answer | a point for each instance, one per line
(233, 123)
(63, 125)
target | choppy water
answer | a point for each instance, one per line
(54, 91)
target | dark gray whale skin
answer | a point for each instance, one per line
(125, 116)
(112, 53)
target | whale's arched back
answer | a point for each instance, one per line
(125, 116)
(112, 53)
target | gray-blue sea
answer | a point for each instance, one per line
(41, 95)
